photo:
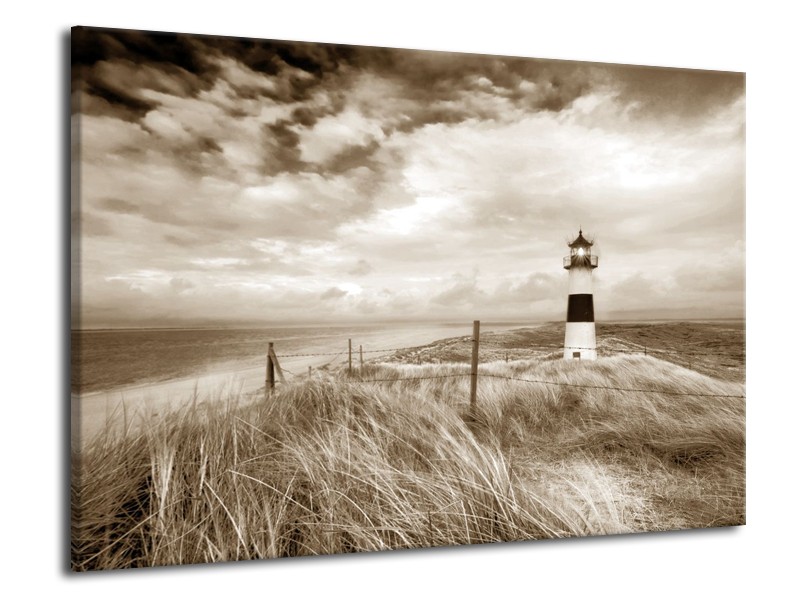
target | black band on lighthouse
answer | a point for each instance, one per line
(580, 308)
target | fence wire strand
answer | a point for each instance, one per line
(641, 350)
(416, 378)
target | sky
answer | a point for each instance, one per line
(231, 182)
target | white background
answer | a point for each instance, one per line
(738, 562)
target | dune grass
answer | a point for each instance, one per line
(331, 464)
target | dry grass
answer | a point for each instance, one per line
(714, 348)
(330, 465)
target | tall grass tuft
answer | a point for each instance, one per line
(333, 464)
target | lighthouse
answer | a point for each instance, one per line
(579, 338)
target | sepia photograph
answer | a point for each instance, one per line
(332, 299)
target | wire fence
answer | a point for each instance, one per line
(476, 372)
(553, 348)
(314, 354)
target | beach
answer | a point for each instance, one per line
(237, 371)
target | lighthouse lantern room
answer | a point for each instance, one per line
(579, 339)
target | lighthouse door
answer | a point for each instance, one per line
(576, 355)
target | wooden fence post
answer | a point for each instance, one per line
(270, 384)
(276, 363)
(349, 356)
(473, 381)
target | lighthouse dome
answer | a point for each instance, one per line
(581, 242)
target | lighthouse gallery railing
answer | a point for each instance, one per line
(591, 259)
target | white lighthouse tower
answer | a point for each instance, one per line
(579, 339)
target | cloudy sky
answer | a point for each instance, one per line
(230, 182)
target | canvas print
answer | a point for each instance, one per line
(337, 299)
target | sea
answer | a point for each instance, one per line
(116, 359)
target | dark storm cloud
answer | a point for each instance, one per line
(102, 59)
(438, 83)
(99, 100)
(265, 55)
(282, 152)
(113, 66)
(353, 156)
(432, 75)
(678, 93)
(91, 45)
(116, 65)
(124, 79)
(304, 116)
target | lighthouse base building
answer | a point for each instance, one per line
(580, 342)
